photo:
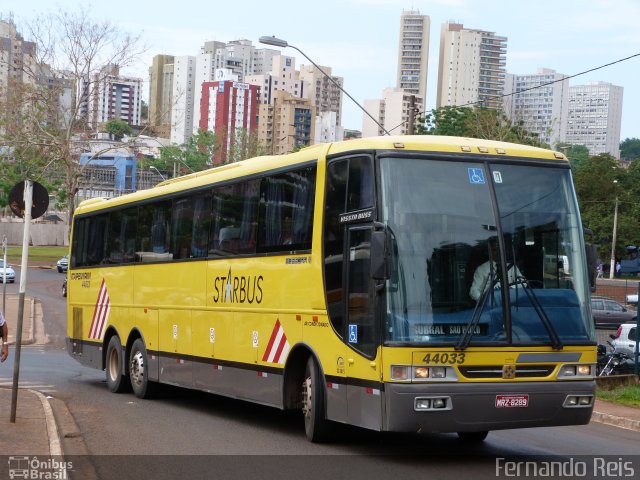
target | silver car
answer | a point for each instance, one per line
(63, 264)
(10, 272)
(624, 339)
(609, 313)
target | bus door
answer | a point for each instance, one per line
(364, 399)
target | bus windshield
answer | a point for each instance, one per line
(457, 228)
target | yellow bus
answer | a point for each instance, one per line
(361, 282)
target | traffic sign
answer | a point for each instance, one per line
(40, 201)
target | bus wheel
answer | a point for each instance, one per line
(138, 372)
(473, 437)
(116, 382)
(313, 404)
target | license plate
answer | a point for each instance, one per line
(512, 401)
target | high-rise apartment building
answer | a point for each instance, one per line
(160, 86)
(182, 99)
(112, 96)
(413, 53)
(595, 116)
(287, 123)
(326, 96)
(540, 101)
(238, 56)
(391, 111)
(283, 76)
(228, 106)
(471, 67)
(17, 57)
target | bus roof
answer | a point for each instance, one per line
(423, 143)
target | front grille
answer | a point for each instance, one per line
(495, 371)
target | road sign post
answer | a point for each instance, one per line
(26, 204)
(4, 278)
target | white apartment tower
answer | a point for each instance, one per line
(541, 102)
(471, 67)
(184, 89)
(283, 76)
(595, 116)
(413, 53)
(391, 111)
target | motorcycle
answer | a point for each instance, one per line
(613, 362)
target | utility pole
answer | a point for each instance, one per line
(412, 115)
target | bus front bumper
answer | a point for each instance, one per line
(469, 407)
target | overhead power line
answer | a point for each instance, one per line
(557, 80)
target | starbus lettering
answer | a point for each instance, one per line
(237, 289)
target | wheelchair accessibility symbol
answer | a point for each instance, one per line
(476, 176)
(353, 333)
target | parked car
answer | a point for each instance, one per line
(609, 313)
(11, 274)
(64, 287)
(632, 298)
(624, 339)
(63, 264)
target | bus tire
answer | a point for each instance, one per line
(316, 425)
(116, 381)
(473, 437)
(138, 370)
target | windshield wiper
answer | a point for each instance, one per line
(464, 341)
(556, 343)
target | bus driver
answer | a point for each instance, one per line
(483, 275)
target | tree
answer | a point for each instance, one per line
(578, 155)
(630, 149)
(41, 118)
(598, 183)
(196, 155)
(118, 128)
(476, 122)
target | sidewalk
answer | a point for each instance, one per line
(616, 415)
(34, 431)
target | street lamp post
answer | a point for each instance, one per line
(151, 167)
(278, 42)
(612, 266)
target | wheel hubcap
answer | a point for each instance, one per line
(137, 368)
(113, 365)
(306, 397)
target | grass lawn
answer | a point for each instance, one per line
(626, 395)
(40, 254)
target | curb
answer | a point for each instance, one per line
(615, 421)
(55, 447)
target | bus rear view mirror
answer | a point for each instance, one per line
(379, 263)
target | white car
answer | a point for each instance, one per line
(625, 338)
(632, 298)
(11, 274)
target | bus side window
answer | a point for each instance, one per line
(181, 227)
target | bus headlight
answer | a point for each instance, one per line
(421, 373)
(578, 372)
(400, 372)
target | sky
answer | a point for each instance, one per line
(359, 39)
